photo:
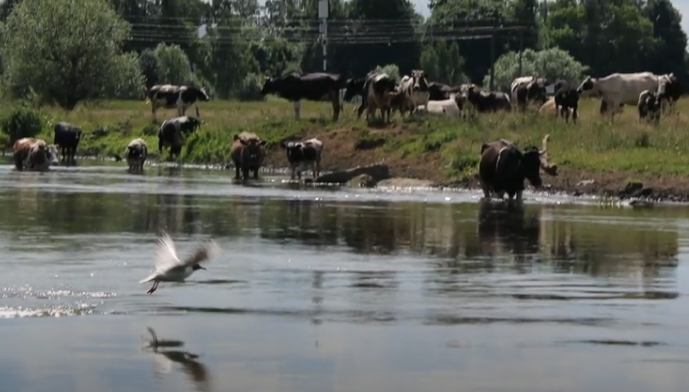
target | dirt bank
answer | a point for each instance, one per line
(345, 149)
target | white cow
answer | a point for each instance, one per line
(415, 88)
(522, 80)
(447, 107)
(619, 89)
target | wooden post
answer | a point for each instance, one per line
(521, 49)
(492, 62)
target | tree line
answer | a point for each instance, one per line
(67, 51)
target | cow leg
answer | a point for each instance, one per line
(297, 109)
(318, 169)
(335, 98)
(245, 173)
(519, 197)
(256, 174)
(236, 172)
(486, 190)
(293, 171)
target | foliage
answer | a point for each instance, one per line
(131, 83)
(250, 89)
(391, 69)
(150, 67)
(552, 64)
(174, 64)
(41, 39)
(21, 122)
(65, 50)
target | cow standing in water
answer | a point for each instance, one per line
(247, 154)
(136, 154)
(173, 131)
(170, 96)
(67, 137)
(503, 168)
(311, 87)
(34, 154)
(300, 154)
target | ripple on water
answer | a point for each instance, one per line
(51, 302)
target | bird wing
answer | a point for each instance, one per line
(203, 253)
(166, 255)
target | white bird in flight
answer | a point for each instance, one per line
(169, 268)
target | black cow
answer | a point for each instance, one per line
(649, 106)
(311, 87)
(170, 96)
(488, 101)
(172, 132)
(440, 92)
(566, 100)
(66, 138)
(304, 153)
(503, 168)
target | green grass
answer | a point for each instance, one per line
(594, 144)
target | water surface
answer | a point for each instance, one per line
(326, 289)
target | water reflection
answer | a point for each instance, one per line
(196, 372)
(500, 235)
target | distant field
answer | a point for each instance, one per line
(448, 147)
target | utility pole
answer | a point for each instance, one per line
(521, 49)
(323, 29)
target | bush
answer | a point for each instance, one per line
(250, 88)
(21, 122)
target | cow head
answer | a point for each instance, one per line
(589, 86)
(536, 91)
(354, 87)
(420, 82)
(252, 149)
(192, 124)
(294, 150)
(269, 86)
(202, 95)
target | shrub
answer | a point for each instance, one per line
(21, 122)
(250, 88)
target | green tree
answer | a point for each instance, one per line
(65, 50)
(174, 64)
(552, 64)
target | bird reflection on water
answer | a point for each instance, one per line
(195, 370)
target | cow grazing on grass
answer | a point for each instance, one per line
(415, 89)
(173, 131)
(170, 96)
(247, 154)
(66, 138)
(311, 87)
(528, 89)
(649, 106)
(301, 154)
(488, 101)
(619, 89)
(669, 91)
(503, 168)
(34, 154)
(136, 154)
(566, 100)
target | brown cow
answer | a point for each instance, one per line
(34, 154)
(247, 154)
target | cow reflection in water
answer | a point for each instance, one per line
(505, 228)
(195, 370)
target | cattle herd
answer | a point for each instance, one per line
(503, 168)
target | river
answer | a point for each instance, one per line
(325, 289)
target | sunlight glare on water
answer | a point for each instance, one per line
(334, 289)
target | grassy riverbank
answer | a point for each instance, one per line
(438, 149)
